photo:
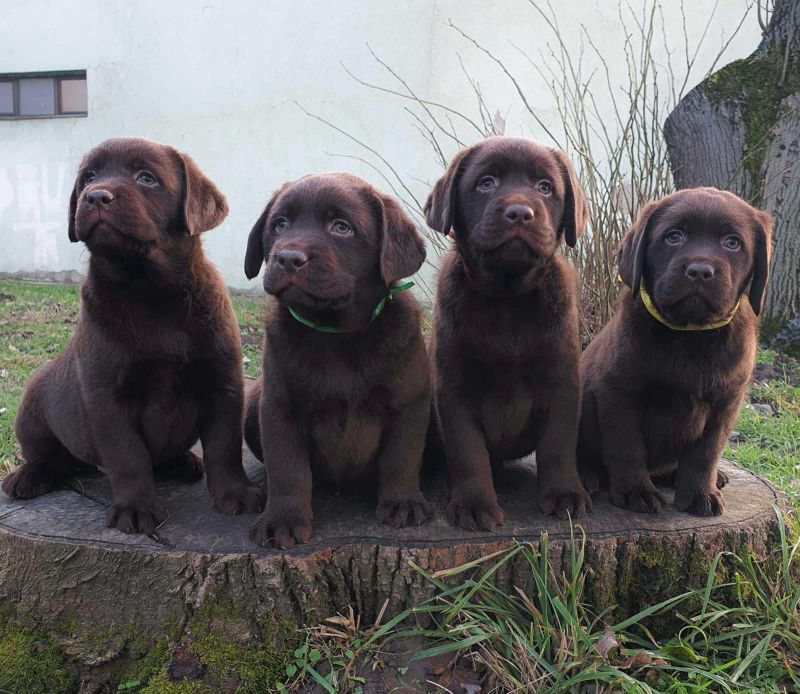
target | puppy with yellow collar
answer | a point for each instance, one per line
(663, 382)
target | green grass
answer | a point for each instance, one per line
(740, 633)
(36, 322)
(769, 442)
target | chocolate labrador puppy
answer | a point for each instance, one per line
(155, 362)
(505, 343)
(664, 380)
(346, 390)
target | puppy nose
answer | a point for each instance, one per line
(99, 197)
(291, 259)
(700, 271)
(519, 213)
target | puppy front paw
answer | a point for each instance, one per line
(641, 500)
(565, 503)
(705, 502)
(474, 510)
(136, 516)
(400, 513)
(282, 525)
(239, 498)
(186, 467)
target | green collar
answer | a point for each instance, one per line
(377, 312)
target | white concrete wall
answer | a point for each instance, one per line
(220, 80)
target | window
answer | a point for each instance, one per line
(43, 95)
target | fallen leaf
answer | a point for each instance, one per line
(607, 643)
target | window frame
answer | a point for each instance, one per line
(57, 76)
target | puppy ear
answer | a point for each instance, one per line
(204, 206)
(761, 260)
(630, 256)
(402, 247)
(255, 241)
(73, 208)
(576, 208)
(440, 207)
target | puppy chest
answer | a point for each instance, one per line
(346, 441)
(506, 411)
(673, 421)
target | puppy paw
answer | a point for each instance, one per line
(136, 517)
(639, 500)
(28, 481)
(400, 513)
(565, 503)
(186, 467)
(474, 511)
(702, 503)
(282, 527)
(239, 498)
(722, 479)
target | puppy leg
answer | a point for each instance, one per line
(286, 519)
(473, 500)
(221, 436)
(697, 482)
(252, 420)
(126, 462)
(560, 489)
(625, 455)
(400, 501)
(48, 464)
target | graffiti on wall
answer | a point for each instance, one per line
(33, 199)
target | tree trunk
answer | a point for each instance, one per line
(740, 130)
(107, 597)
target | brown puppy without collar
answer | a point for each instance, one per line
(155, 362)
(505, 343)
(348, 405)
(658, 400)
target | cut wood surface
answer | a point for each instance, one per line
(60, 564)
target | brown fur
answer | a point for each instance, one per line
(155, 362)
(659, 402)
(505, 344)
(337, 408)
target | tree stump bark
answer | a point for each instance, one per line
(740, 130)
(61, 568)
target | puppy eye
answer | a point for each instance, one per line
(545, 187)
(281, 224)
(674, 237)
(487, 183)
(341, 227)
(146, 178)
(732, 243)
(89, 177)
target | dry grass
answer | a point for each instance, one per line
(621, 159)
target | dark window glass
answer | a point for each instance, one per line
(6, 98)
(37, 96)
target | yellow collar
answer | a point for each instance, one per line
(692, 327)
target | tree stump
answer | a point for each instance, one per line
(739, 130)
(61, 567)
